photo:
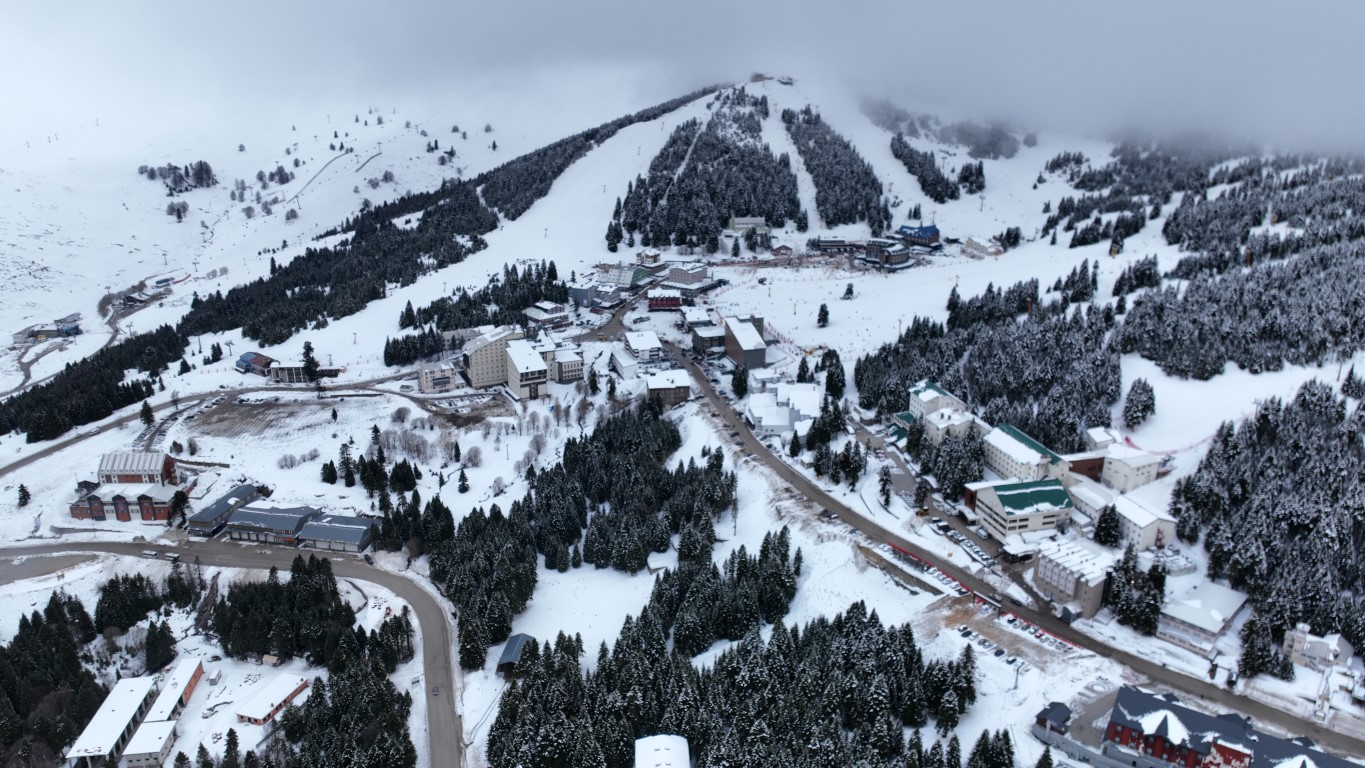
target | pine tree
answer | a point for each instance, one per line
(822, 317)
(739, 381)
(803, 372)
(1354, 386)
(232, 757)
(24, 495)
(1140, 404)
(310, 363)
(1046, 760)
(146, 414)
(884, 484)
(463, 484)
(794, 450)
(1107, 528)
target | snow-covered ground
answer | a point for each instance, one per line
(80, 221)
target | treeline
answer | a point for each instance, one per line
(1300, 311)
(1318, 205)
(93, 388)
(513, 187)
(126, 600)
(726, 170)
(991, 142)
(924, 167)
(1140, 274)
(838, 691)
(47, 696)
(846, 189)
(330, 283)
(304, 616)
(180, 178)
(1277, 502)
(1064, 374)
(501, 302)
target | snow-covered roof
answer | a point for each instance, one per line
(927, 390)
(696, 315)
(493, 335)
(524, 356)
(237, 496)
(1138, 514)
(272, 519)
(662, 751)
(105, 729)
(664, 293)
(511, 651)
(338, 528)
(1019, 446)
(668, 379)
(745, 335)
(949, 417)
(1102, 436)
(1208, 606)
(708, 331)
(1031, 497)
(1133, 457)
(1089, 493)
(567, 356)
(271, 695)
(123, 462)
(639, 341)
(1083, 559)
(802, 397)
(173, 684)
(150, 737)
(131, 492)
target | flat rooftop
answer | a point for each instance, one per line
(118, 710)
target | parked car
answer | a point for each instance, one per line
(435, 690)
(368, 560)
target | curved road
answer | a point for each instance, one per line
(444, 726)
(1042, 619)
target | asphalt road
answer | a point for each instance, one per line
(1330, 739)
(445, 728)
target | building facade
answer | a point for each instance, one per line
(148, 502)
(338, 533)
(927, 397)
(664, 299)
(645, 346)
(744, 343)
(439, 378)
(1128, 468)
(1143, 527)
(1010, 508)
(1073, 574)
(485, 356)
(528, 378)
(1008, 452)
(270, 526)
(671, 387)
(1149, 730)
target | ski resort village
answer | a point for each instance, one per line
(771, 424)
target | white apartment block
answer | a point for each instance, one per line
(485, 358)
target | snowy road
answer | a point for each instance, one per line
(1212, 693)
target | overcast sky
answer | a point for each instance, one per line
(1282, 74)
